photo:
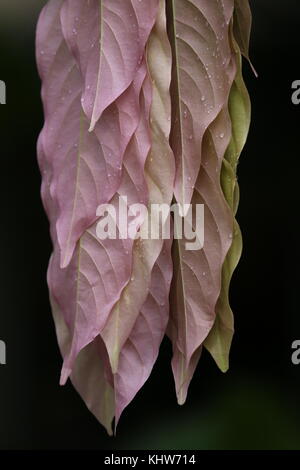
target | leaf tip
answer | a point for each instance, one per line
(181, 400)
(65, 374)
(181, 395)
(92, 124)
(222, 361)
(65, 258)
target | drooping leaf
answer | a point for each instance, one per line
(202, 71)
(89, 375)
(140, 351)
(89, 289)
(197, 273)
(108, 39)
(49, 44)
(106, 68)
(86, 168)
(159, 174)
(219, 340)
(242, 24)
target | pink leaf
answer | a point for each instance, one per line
(140, 351)
(83, 169)
(202, 76)
(131, 120)
(89, 376)
(91, 285)
(108, 39)
(159, 174)
(197, 278)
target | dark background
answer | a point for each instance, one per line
(256, 404)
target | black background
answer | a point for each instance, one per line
(255, 405)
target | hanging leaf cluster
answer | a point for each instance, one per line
(144, 102)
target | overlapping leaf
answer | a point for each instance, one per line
(87, 166)
(146, 250)
(201, 132)
(90, 371)
(110, 138)
(89, 375)
(101, 269)
(242, 25)
(140, 350)
(219, 340)
(202, 69)
(108, 39)
(197, 274)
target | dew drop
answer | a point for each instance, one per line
(222, 135)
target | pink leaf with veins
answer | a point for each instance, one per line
(83, 169)
(108, 39)
(109, 135)
(88, 289)
(197, 274)
(141, 349)
(139, 353)
(202, 77)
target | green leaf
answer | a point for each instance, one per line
(219, 340)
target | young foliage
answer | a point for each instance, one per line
(144, 104)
